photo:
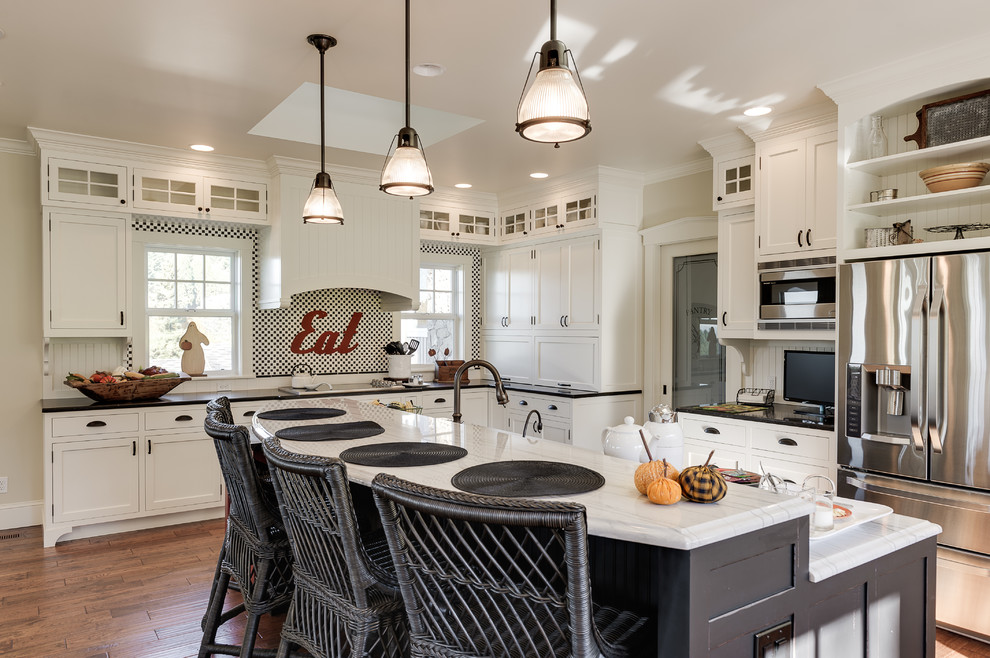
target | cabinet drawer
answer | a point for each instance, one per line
(696, 453)
(548, 407)
(244, 411)
(439, 400)
(177, 418)
(715, 431)
(95, 424)
(790, 443)
(791, 471)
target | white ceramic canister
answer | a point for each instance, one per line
(399, 366)
(624, 440)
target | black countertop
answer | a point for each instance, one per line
(780, 414)
(50, 405)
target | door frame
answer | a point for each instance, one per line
(686, 236)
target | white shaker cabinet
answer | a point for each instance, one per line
(512, 354)
(94, 480)
(510, 280)
(90, 184)
(567, 361)
(86, 260)
(192, 193)
(737, 285)
(796, 199)
(567, 284)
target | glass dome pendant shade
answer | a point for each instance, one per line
(322, 206)
(405, 172)
(554, 108)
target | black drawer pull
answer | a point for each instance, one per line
(96, 423)
(786, 441)
(149, 446)
(712, 430)
(133, 448)
(248, 414)
(552, 407)
(524, 403)
(440, 401)
(183, 418)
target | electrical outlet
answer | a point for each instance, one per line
(223, 386)
(3, 484)
(771, 381)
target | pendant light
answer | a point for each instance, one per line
(322, 206)
(554, 109)
(405, 172)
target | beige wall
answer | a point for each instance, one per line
(21, 350)
(688, 196)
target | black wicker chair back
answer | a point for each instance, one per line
(255, 551)
(344, 603)
(486, 576)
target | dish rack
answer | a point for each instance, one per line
(757, 397)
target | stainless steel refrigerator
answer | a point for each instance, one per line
(913, 412)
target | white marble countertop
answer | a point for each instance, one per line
(865, 543)
(616, 510)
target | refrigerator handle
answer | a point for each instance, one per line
(918, 372)
(934, 391)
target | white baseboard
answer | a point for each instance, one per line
(128, 525)
(21, 515)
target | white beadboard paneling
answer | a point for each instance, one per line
(84, 356)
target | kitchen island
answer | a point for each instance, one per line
(734, 578)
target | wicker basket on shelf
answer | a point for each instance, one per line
(136, 389)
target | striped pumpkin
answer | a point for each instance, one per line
(703, 484)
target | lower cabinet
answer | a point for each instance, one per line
(122, 465)
(791, 453)
(474, 405)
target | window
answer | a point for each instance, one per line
(181, 283)
(439, 322)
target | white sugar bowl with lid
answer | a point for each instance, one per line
(624, 440)
(667, 438)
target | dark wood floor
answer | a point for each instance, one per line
(143, 594)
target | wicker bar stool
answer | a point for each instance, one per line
(487, 576)
(346, 600)
(255, 549)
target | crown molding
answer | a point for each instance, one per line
(100, 148)
(678, 171)
(461, 199)
(16, 146)
(734, 142)
(821, 115)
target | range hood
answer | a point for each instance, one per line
(377, 248)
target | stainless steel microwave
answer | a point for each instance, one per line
(797, 293)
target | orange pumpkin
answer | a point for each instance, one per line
(703, 484)
(664, 491)
(650, 471)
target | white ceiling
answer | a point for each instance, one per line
(660, 76)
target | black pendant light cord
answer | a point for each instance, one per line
(553, 20)
(323, 115)
(407, 65)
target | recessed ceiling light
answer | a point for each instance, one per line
(757, 111)
(429, 70)
(538, 174)
(463, 186)
(206, 148)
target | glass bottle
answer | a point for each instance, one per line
(877, 146)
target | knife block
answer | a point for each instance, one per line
(444, 371)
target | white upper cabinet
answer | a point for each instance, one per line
(567, 284)
(85, 183)
(86, 258)
(795, 202)
(453, 225)
(513, 225)
(192, 194)
(580, 211)
(736, 275)
(734, 182)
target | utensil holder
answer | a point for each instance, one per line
(399, 366)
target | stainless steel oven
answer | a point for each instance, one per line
(802, 293)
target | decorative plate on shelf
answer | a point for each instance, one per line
(958, 228)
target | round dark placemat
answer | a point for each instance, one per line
(402, 454)
(331, 431)
(301, 413)
(527, 478)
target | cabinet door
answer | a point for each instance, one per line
(787, 469)
(240, 199)
(496, 314)
(582, 290)
(781, 204)
(568, 361)
(512, 355)
(521, 288)
(479, 229)
(737, 276)
(514, 225)
(581, 211)
(545, 219)
(696, 454)
(181, 470)
(95, 479)
(823, 166)
(159, 190)
(87, 266)
(733, 184)
(551, 283)
(87, 182)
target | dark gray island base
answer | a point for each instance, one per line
(751, 596)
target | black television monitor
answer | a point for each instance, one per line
(809, 378)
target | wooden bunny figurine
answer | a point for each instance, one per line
(193, 360)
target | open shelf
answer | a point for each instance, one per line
(970, 150)
(918, 249)
(978, 194)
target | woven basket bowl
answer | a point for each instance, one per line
(954, 176)
(138, 389)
